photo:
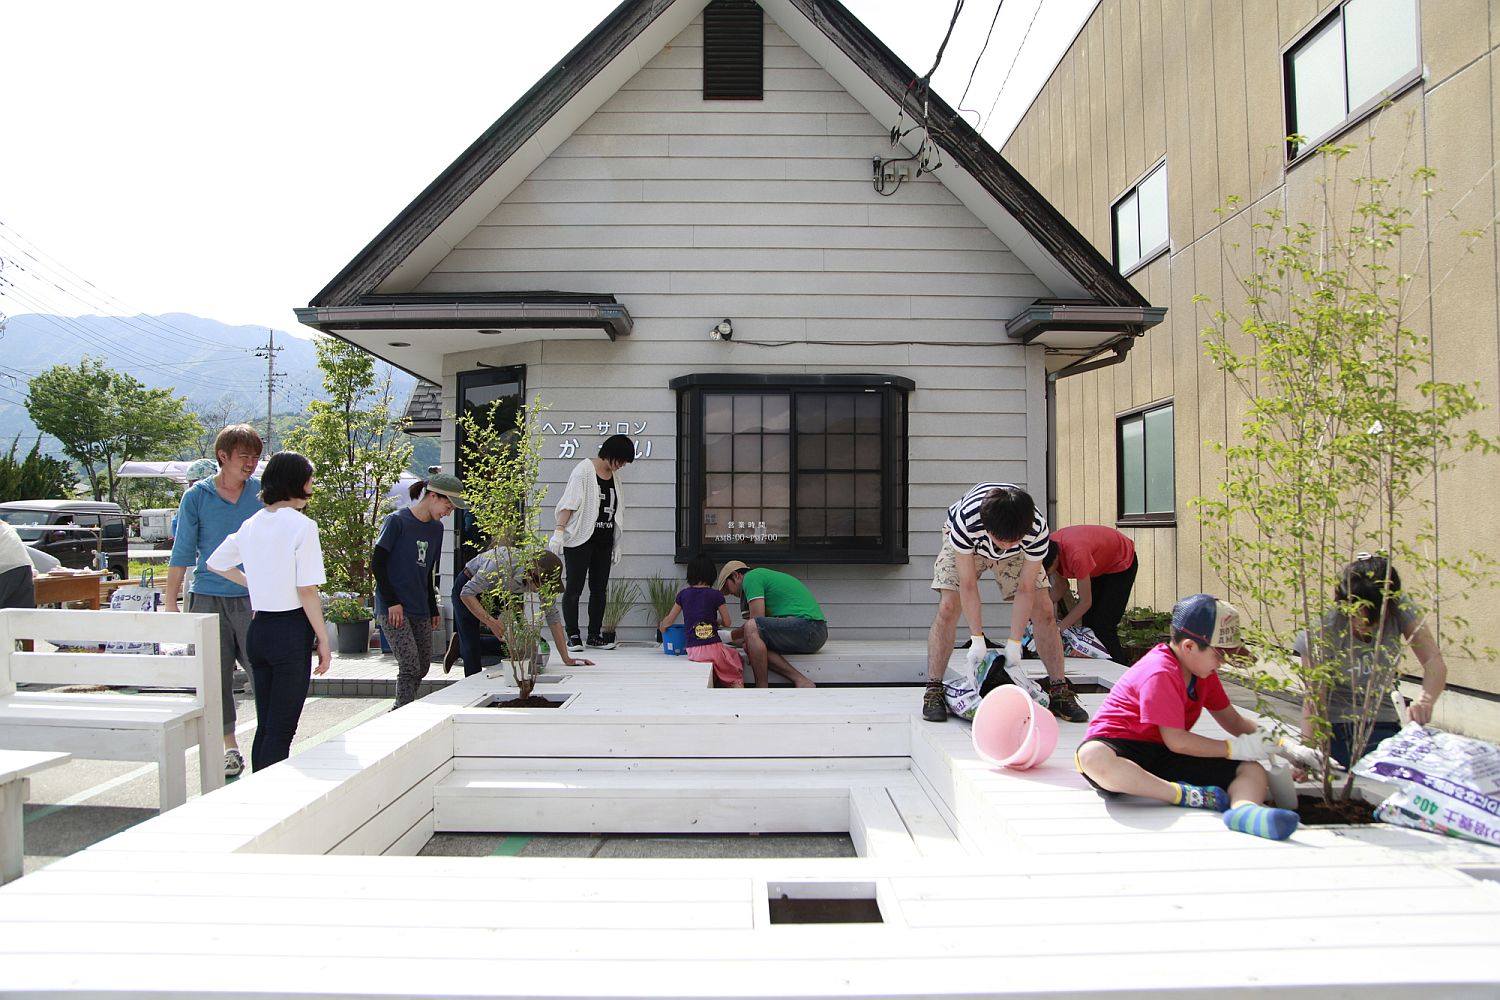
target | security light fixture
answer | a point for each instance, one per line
(723, 331)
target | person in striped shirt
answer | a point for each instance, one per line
(995, 527)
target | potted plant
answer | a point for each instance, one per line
(661, 594)
(358, 452)
(1345, 428)
(502, 469)
(352, 620)
(622, 596)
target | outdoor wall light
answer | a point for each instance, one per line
(723, 331)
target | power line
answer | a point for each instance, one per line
(982, 49)
(1009, 69)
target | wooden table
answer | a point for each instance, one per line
(15, 786)
(81, 587)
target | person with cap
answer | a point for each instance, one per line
(404, 563)
(1141, 743)
(1103, 562)
(997, 528)
(590, 528)
(210, 511)
(781, 616)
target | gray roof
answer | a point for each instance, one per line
(424, 411)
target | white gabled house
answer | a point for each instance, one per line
(696, 230)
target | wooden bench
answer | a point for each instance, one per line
(116, 725)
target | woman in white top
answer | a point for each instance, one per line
(276, 555)
(590, 522)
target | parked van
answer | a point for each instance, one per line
(75, 532)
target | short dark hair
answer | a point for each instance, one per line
(545, 566)
(1373, 583)
(237, 436)
(702, 570)
(617, 448)
(1007, 512)
(1050, 559)
(285, 478)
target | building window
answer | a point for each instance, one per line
(733, 51)
(1141, 220)
(495, 395)
(1345, 65)
(792, 468)
(1144, 466)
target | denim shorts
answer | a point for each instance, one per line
(793, 635)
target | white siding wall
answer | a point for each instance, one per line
(691, 211)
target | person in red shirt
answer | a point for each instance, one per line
(1103, 562)
(1140, 743)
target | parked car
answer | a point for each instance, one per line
(75, 532)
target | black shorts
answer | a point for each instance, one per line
(1155, 758)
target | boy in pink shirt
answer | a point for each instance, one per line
(1140, 743)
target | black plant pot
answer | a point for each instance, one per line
(353, 637)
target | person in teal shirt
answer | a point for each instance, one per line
(781, 617)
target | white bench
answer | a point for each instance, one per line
(115, 725)
(16, 767)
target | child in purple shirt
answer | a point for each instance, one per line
(704, 612)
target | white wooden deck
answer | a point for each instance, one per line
(989, 882)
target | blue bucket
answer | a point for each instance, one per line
(674, 640)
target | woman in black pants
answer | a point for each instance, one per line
(590, 521)
(276, 555)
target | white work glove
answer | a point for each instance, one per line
(1012, 653)
(974, 658)
(555, 543)
(1258, 745)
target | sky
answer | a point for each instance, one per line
(228, 159)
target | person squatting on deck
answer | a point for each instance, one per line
(404, 563)
(1140, 744)
(277, 557)
(704, 610)
(781, 616)
(498, 569)
(1103, 562)
(210, 512)
(590, 530)
(995, 527)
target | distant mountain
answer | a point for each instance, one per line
(214, 365)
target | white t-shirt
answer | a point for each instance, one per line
(279, 552)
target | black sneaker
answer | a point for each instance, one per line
(1063, 701)
(575, 644)
(934, 708)
(598, 642)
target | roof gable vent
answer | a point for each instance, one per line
(733, 47)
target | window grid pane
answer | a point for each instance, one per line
(1380, 45)
(834, 462)
(1151, 206)
(1316, 72)
(1127, 232)
(1160, 485)
(1132, 466)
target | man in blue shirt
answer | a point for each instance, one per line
(210, 511)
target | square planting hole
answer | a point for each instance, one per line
(823, 903)
(538, 699)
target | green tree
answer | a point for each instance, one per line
(35, 477)
(358, 452)
(1344, 429)
(502, 472)
(104, 417)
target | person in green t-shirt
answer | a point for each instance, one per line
(781, 616)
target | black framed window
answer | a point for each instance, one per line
(1345, 65)
(791, 468)
(1140, 220)
(496, 395)
(1144, 466)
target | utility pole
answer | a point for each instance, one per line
(269, 350)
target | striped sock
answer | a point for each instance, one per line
(1261, 821)
(1200, 796)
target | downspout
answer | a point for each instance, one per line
(1119, 350)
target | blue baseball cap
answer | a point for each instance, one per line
(1208, 620)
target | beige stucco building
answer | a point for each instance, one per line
(1160, 112)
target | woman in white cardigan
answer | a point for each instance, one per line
(587, 537)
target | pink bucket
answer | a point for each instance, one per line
(1011, 730)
